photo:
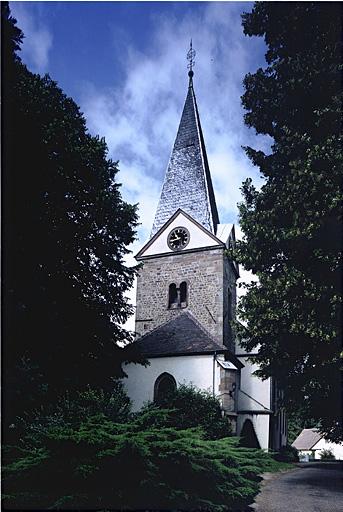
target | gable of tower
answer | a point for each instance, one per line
(198, 237)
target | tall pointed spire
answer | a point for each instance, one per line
(187, 184)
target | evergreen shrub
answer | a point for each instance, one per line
(100, 464)
(187, 407)
(287, 454)
(327, 454)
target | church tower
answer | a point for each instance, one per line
(186, 267)
(186, 295)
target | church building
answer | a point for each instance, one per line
(186, 299)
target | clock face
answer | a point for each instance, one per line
(178, 238)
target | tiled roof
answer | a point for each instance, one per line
(181, 335)
(187, 184)
(307, 439)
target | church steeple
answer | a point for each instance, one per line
(187, 184)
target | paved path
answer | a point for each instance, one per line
(311, 487)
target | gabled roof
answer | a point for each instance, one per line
(216, 240)
(187, 182)
(182, 335)
(307, 439)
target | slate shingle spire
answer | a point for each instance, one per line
(187, 183)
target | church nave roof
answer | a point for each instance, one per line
(181, 335)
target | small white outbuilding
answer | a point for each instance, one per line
(310, 443)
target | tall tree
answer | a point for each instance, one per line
(66, 232)
(293, 225)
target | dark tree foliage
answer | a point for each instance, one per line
(66, 232)
(187, 407)
(72, 408)
(293, 225)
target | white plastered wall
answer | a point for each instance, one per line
(261, 427)
(259, 399)
(195, 370)
(257, 389)
(337, 449)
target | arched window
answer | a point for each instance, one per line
(248, 436)
(173, 296)
(165, 384)
(177, 297)
(183, 294)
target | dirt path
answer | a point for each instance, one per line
(311, 487)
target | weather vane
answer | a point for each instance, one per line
(190, 57)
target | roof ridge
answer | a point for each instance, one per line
(307, 438)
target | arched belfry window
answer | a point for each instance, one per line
(183, 294)
(165, 385)
(173, 296)
(177, 297)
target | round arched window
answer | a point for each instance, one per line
(165, 385)
(173, 296)
(183, 294)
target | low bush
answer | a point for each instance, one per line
(326, 454)
(287, 454)
(105, 465)
(188, 407)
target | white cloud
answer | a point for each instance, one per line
(38, 39)
(140, 120)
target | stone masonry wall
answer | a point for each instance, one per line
(227, 389)
(229, 288)
(204, 274)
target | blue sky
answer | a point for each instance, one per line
(124, 63)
